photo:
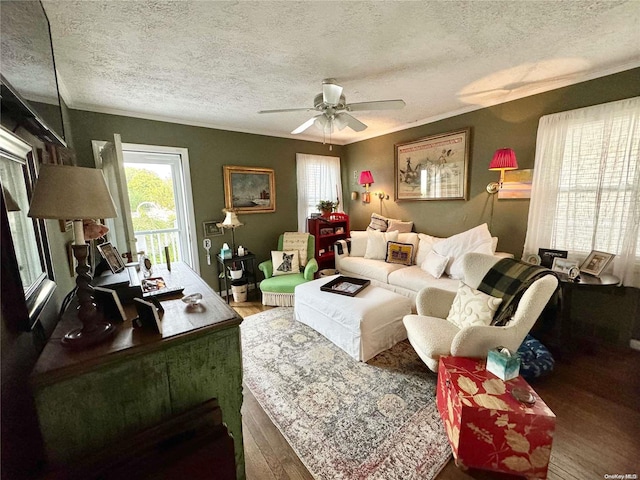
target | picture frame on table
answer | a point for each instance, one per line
(548, 254)
(563, 265)
(249, 189)
(596, 262)
(212, 229)
(110, 253)
(326, 231)
(434, 167)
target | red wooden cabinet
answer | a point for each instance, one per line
(486, 426)
(327, 231)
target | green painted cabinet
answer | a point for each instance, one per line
(89, 399)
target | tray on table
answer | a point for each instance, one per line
(348, 286)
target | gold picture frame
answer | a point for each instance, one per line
(249, 189)
(434, 167)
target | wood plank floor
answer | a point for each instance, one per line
(596, 399)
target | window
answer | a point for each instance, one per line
(586, 186)
(318, 179)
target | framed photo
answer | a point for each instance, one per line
(533, 259)
(211, 229)
(339, 230)
(111, 255)
(433, 168)
(326, 231)
(596, 262)
(547, 255)
(562, 265)
(249, 189)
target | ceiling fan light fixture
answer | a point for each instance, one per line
(340, 121)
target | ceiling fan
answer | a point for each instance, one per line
(333, 108)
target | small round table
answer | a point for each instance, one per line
(567, 286)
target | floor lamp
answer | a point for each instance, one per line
(77, 193)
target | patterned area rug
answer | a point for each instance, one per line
(345, 419)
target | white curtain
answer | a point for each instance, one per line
(318, 179)
(586, 185)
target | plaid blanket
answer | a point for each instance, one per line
(508, 279)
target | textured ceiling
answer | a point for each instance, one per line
(216, 63)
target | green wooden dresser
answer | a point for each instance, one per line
(89, 399)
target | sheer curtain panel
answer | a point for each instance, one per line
(586, 185)
(318, 179)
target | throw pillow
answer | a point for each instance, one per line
(456, 246)
(401, 253)
(285, 263)
(434, 264)
(378, 222)
(400, 226)
(472, 307)
(377, 244)
(425, 244)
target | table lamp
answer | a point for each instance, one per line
(63, 193)
(231, 221)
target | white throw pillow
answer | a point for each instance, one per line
(472, 307)
(400, 226)
(434, 264)
(455, 268)
(285, 263)
(425, 244)
(456, 246)
(377, 244)
(359, 241)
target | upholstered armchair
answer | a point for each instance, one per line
(278, 290)
(433, 336)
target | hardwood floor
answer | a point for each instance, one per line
(596, 399)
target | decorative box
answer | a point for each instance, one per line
(486, 426)
(503, 364)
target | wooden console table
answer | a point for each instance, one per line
(137, 379)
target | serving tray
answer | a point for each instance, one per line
(348, 286)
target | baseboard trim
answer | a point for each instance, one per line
(635, 344)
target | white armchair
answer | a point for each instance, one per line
(432, 335)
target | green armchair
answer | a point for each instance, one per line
(279, 290)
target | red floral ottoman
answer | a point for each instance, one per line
(487, 427)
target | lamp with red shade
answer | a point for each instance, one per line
(503, 159)
(366, 179)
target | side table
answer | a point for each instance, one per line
(486, 426)
(248, 262)
(567, 287)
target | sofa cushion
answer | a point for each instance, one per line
(371, 269)
(472, 307)
(435, 264)
(378, 222)
(399, 225)
(457, 245)
(359, 241)
(377, 244)
(425, 245)
(285, 263)
(415, 279)
(400, 253)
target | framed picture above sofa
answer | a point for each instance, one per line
(433, 168)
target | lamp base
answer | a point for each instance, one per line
(81, 337)
(493, 187)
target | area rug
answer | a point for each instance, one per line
(344, 419)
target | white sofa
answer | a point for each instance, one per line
(406, 280)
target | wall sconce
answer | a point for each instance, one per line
(366, 179)
(382, 195)
(354, 195)
(503, 159)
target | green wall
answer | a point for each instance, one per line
(512, 124)
(210, 149)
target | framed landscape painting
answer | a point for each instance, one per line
(433, 168)
(249, 189)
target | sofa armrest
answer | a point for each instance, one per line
(434, 302)
(266, 267)
(503, 255)
(310, 269)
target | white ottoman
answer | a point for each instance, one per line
(362, 326)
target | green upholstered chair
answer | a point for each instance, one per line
(279, 290)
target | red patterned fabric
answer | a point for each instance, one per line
(487, 427)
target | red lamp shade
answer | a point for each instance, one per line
(365, 177)
(504, 159)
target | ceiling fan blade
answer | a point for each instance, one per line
(288, 110)
(331, 93)
(353, 123)
(379, 105)
(305, 125)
